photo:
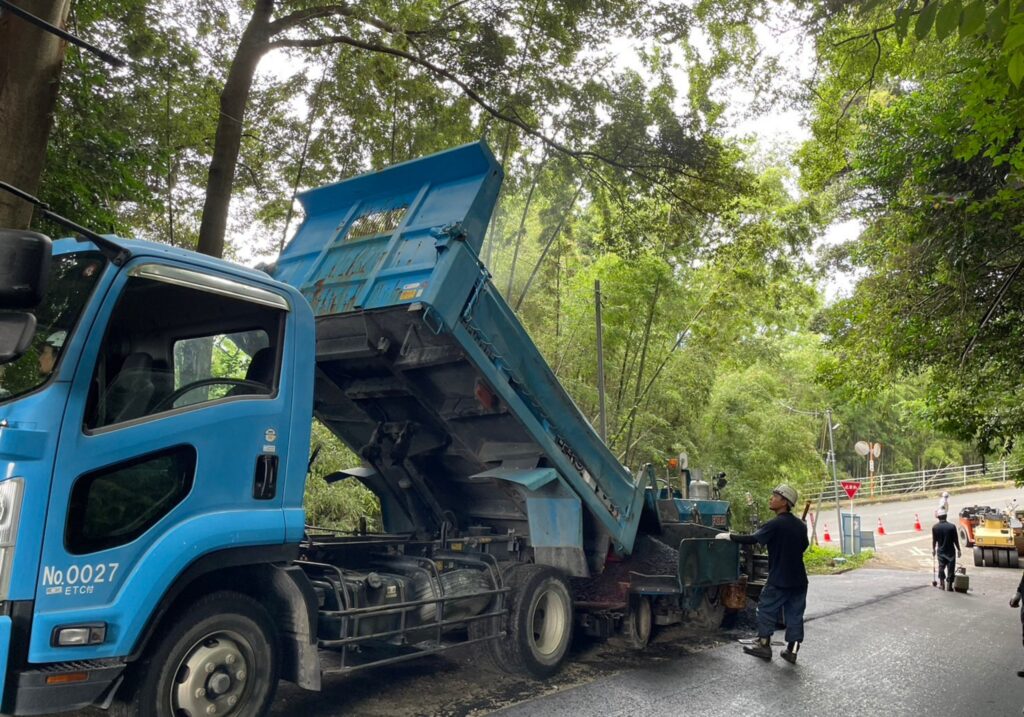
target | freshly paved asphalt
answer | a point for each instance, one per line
(878, 642)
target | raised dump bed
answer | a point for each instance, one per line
(424, 369)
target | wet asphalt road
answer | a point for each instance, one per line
(878, 642)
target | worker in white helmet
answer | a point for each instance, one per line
(786, 587)
(945, 545)
(49, 352)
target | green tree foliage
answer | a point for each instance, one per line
(340, 505)
(925, 150)
(615, 174)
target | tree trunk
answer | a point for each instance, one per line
(644, 344)
(30, 67)
(233, 100)
(547, 246)
(522, 228)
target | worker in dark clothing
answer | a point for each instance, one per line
(944, 542)
(1015, 602)
(786, 587)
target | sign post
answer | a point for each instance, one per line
(870, 450)
(851, 487)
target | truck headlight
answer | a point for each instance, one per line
(10, 511)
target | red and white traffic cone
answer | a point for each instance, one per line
(881, 528)
(917, 523)
(827, 538)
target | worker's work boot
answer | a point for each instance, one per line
(789, 654)
(762, 649)
(949, 586)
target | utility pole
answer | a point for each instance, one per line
(602, 417)
(835, 485)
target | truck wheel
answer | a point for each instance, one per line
(1003, 558)
(990, 557)
(711, 611)
(220, 658)
(978, 559)
(964, 539)
(540, 622)
(636, 625)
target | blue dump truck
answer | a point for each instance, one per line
(155, 411)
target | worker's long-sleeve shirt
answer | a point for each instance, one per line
(944, 540)
(786, 538)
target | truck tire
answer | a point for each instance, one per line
(221, 653)
(711, 611)
(964, 539)
(1003, 558)
(979, 560)
(540, 622)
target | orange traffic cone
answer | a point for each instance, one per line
(917, 523)
(881, 528)
(827, 538)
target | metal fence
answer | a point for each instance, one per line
(895, 484)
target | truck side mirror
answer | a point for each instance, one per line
(16, 331)
(24, 269)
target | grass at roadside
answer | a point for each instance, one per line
(827, 561)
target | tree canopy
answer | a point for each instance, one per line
(610, 120)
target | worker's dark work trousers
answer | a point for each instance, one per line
(792, 603)
(947, 567)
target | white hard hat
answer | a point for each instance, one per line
(940, 513)
(787, 492)
(56, 339)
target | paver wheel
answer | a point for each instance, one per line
(218, 658)
(711, 611)
(636, 626)
(540, 622)
(979, 559)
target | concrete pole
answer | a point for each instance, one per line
(835, 484)
(602, 416)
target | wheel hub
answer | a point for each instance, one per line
(548, 623)
(211, 678)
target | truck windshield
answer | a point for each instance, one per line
(72, 280)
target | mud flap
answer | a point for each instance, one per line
(5, 650)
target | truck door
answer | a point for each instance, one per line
(176, 427)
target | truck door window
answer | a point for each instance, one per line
(224, 365)
(171, 344)
(115, 505)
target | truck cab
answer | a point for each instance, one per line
(114, 485)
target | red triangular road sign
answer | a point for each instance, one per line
(850, 486)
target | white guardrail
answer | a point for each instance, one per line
(927, 480)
